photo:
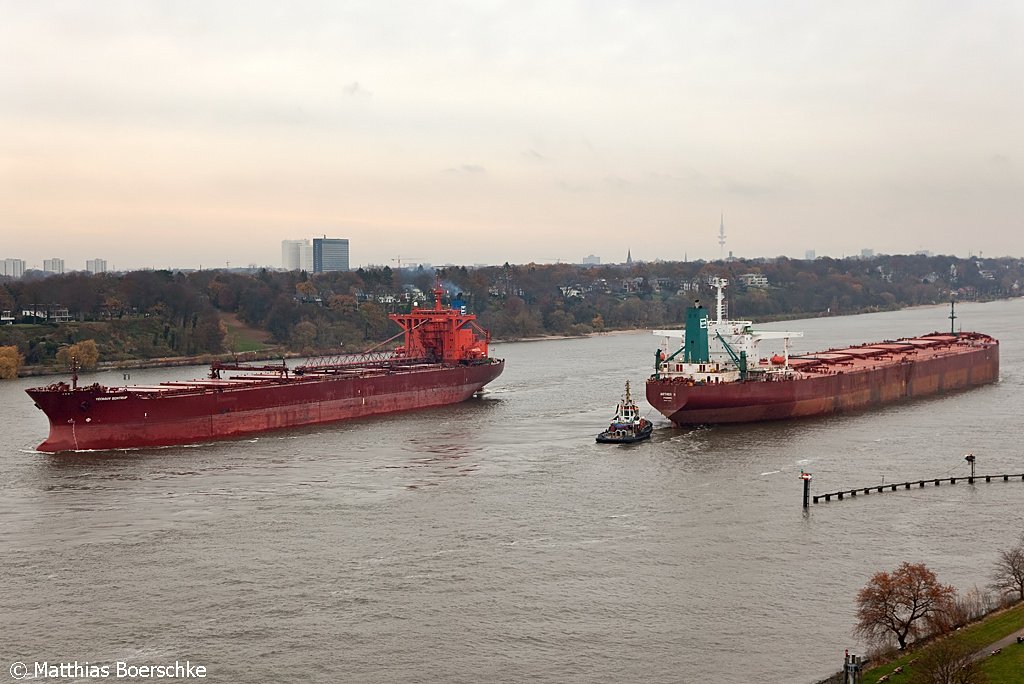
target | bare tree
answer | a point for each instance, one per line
(896, 605)
(969, 606)
(1008, 574)
(948, 662)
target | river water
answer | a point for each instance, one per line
(495, 540)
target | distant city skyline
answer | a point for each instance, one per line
(297, 254)
(184, 135)
(55, 265)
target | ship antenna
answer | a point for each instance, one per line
(952, 315)
(74, 372)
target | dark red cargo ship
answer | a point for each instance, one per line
(718, 376)
(444, 360)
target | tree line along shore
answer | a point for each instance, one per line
(921, 631)
(163, 317)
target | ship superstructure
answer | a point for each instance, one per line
(719, 350)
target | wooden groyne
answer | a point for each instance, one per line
(918, 484)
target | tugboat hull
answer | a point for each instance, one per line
(626, 436)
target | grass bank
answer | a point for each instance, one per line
(1004, 668)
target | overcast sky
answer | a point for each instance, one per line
(199, 133)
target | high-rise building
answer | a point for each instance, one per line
(53, 265)
(330, 254)
(14, 268)
(96, 265)
(591, 260)
(810, 255)
(296, 255)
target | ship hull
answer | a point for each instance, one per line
(98, 418)
(837, 391)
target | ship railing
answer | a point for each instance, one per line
(375, 355)
(357, 361)
(217, 366)
(346, 360)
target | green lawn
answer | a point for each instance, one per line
(240, 343)
(977, 636)
(1007, 667)
(241, 338)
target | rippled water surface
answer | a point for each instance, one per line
(495, 540)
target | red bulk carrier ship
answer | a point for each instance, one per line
(717, 376)
(443, 361)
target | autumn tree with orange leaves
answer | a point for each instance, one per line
(898, 604)
(85, 353)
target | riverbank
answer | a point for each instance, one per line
(985, 638)
(277, 353)
(543, 338)
(259, 355)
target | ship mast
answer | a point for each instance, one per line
(720, 284)
(438, 294)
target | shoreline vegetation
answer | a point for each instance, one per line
(984, 639)
(261, 355)
(280, 354)
(170, 318)
(942, 636)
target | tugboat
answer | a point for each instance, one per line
(627, 426)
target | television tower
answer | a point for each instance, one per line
(721, 236)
